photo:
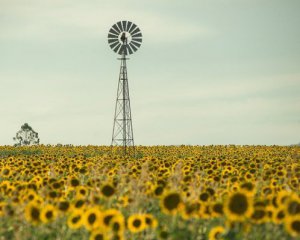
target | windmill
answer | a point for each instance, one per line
(124, 38)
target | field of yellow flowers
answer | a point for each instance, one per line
(163, 192)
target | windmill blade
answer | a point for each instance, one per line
(137, 34)
(112, 36)
(135, 31)
(132, 28)
(113, 31)
(112, 40)
(128, 26)
(124, 25)
(129, 49)
(120, 26)
(135, 43)
(115, 27)
(137, 39)
(133, 47)
(122, 48)
(114, 44)
(116, 49)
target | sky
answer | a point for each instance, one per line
(208, 71)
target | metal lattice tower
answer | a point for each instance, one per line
(124, 38)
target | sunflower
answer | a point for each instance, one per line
(248, 186)
(269, 212)
(30, 196)
(191, 210)
(78, 204)
(136, 223)
(124, 201)
(107, 216)
(204, 197)
(216, 233)
(158, 190)
(259, 215)
(91, 218)
(56, 185)
(117, 236)
(283, 196)
(217, 209)
(75, 219)
(293, 206)
(292, 226)
(267, 190)
(206, 212)
(171, 202)
(33, 213)
(150, 221)
(6, 172)
(211, 191)
(98, 235)
(63, 206)
(48, 213)
(107, 190)
(238, 206)
(74, 182)
(53, 195)
(279, 215)
(81, 192)
(117, 224)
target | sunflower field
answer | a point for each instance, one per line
(162, 192)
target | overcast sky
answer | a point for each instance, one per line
(208, 71)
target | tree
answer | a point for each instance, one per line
(26, 136)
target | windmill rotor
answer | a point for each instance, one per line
(124, 37)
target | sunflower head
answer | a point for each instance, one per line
(191, 209)
(216, 233)
(33, 213)
(158, 190)
(107, 217)
(6, 172)
(91, 218)
(74, 182)
(136, 223)
(75, 219)
(117, 224)
(107, 190)
(150, 221)
(48, 213)
(292, 206)
(98, 235)
(217, 209)
(171, 202)
(279, 215)
(204, 196)
(238, 206)
(63, 206)
(292, 226)
(248, 186)
(259, 215)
